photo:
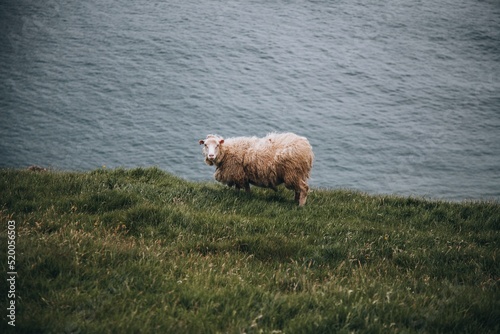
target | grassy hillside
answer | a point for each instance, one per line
(128, 251)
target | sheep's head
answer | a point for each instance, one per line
(211, 148)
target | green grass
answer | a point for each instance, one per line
(129, 251)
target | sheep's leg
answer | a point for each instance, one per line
(302, 198)
(300, 189)
(302, 193)
(247, 187)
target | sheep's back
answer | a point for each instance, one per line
(270, 158)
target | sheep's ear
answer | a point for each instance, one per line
(221, 141)
(201, 141)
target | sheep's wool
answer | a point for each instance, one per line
(265, 162)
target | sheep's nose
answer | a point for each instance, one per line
(211, 156)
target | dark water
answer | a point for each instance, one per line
(397, 96)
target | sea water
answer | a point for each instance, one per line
(396, 97)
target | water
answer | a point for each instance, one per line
(398, 97)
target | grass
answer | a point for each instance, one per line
(140, 250)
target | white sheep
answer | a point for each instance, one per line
(265, 162)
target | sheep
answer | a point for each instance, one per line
(265, 162)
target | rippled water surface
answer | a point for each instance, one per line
(395, 96)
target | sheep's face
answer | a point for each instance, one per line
(211, 148)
